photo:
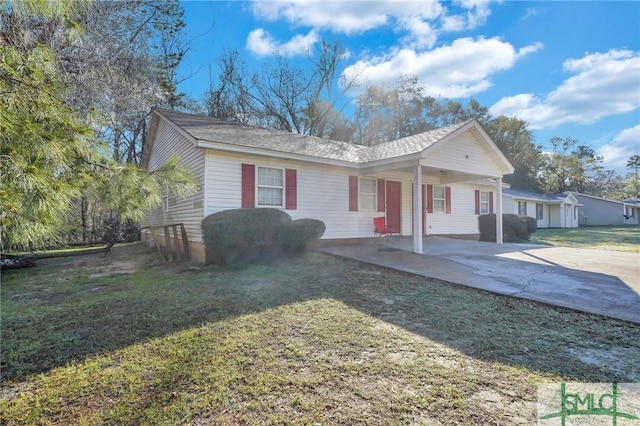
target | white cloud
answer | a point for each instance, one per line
(261, 43)
(476, 14)
(342, 17)
(460, 69)
(420, 21)
(602, 84)
(532, 48)
(617, 152)
(531, 12)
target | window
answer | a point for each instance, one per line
(368, 191)
(484, 202)
(539, 211)
(270, 187)
(522, 208)
(439, 199)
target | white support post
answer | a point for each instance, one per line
(499, 238)
(417, 209)
(562, 215)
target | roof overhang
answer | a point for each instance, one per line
(219, 146)
(570, 199)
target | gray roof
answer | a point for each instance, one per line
(214, 130)
(410, 144)
(635, 201)
(545, 198)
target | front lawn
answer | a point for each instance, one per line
(128, 340)
(617, 238)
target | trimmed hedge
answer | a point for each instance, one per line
(242, 235)
(514, 227)
(247, 235)
(300, 233)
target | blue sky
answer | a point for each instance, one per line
(570, 68)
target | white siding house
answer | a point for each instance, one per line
(550, 210)
(434, 183)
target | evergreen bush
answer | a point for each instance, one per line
(243, 235)
(301, 232)
(514, 227)
(247, 235)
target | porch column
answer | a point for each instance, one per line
(498, 201)
(562, 214)
(417, 209)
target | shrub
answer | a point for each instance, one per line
(243, 235)
(301, 232)
(514, 227)
(532, 225)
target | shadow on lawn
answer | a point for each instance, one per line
(66, 311)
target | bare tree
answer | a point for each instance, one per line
(281, 96)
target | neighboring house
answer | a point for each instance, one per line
(436, 182)
(601, 211)
(631, 211)
(550, 210)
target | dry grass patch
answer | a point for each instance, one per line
(300, 341)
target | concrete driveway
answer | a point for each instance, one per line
(595, 281)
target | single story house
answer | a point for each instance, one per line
(601, 211)
(631, 211)
(550, 210)
(433, 183)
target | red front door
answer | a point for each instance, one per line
(393, 199)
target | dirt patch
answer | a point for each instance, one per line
(611, 358)
(56, 297)
(117, 267)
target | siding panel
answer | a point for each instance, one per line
(188, 210)
(464, 154)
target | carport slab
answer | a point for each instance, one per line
(594, 281)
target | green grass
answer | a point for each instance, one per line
(617, 238)
(314, 339)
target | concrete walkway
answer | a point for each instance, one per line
(595, 281)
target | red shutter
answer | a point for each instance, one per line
(291, 189)
(429, 198)
(447, 199)
(353, 193)
(424, 206)
(248, 186)
(490, 202)
(477, 201)
(381, 195)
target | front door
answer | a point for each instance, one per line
(393, 199)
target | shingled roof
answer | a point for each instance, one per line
(208, 129)
(546, 198)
